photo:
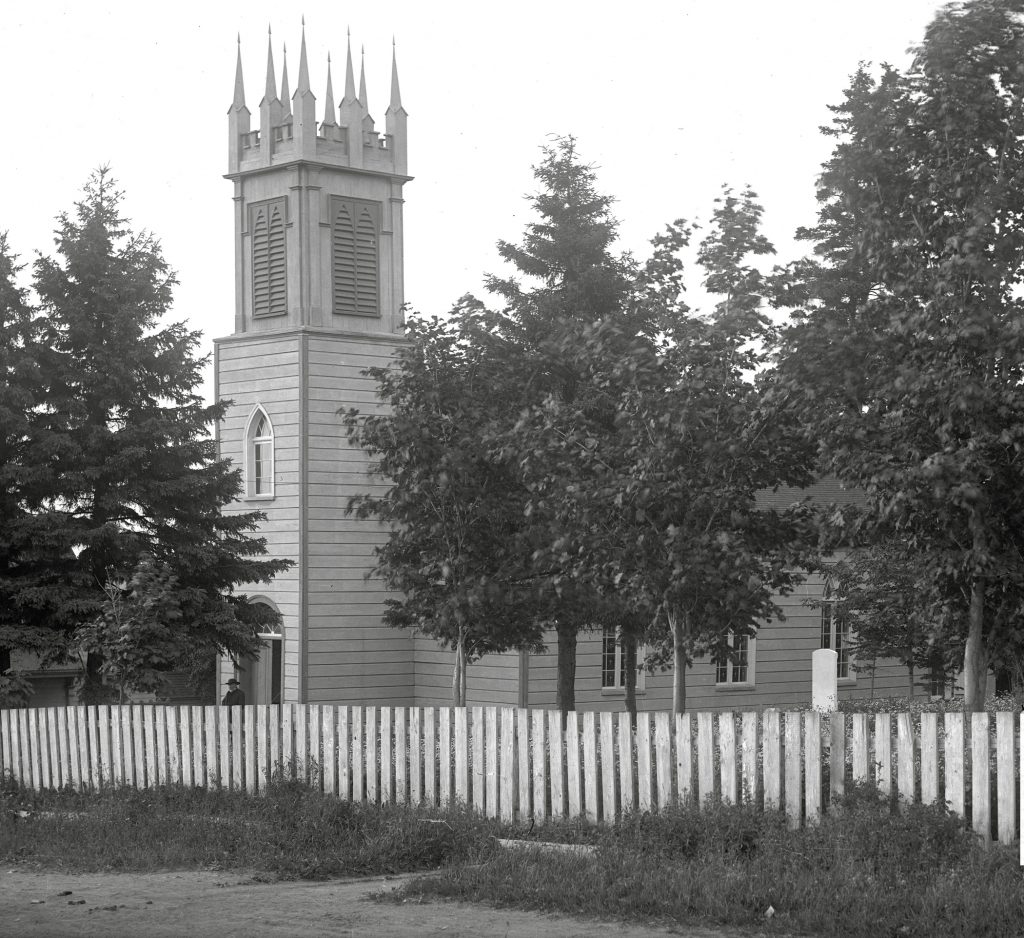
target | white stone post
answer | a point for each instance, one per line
(824, 692)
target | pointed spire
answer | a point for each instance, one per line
(270, 91)
(362, 78)
(350, 79)
(286, 98)
(396, 94)
(239, 101)
(303, 66)
(329, 103)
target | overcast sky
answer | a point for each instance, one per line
(668, 100)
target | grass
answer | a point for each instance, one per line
(867, 869)
(864, 871)
(291, 832)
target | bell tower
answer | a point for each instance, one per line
(318, 299)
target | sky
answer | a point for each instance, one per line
(669, 100)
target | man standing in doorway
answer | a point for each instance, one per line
(235, 697)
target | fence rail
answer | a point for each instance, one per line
(514, 763)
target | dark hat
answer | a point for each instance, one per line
(234, 680)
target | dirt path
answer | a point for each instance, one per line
(225, 905)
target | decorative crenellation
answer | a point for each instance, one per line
(290, 131)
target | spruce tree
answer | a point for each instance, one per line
(115, 464)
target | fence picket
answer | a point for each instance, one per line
(684, 757)
(589, 768)
(371, 750)
(173, 746)
(57, 745)
(644, 799)
(953, 724)
(859, 746)
(75, 742)
(32, 738)
(416, 756)
(627, 796)
(24, 751)
(794, 766)
(444, 749)
(430, 757)
(981, 806)
(572, 765)
(748, 760)
(1005, 800)
(343, 753)
(883, 753)
(771, 760)
(540, 769)
(812, 767)
(663, 759)
(248, 733)
(6, 758)
(905, 757)
(358, 756)
(64, 745)
(522, 755)
(727, 757)
(479, 769)
(46, 740)
(506, 765)
(185, 729)
(199, 747)
(608, 766)
(556, 758)
(384, 748)
(929, 758)
(837, 755)
(329, 741)
(461, 756)
(401, 756)
(705, 757)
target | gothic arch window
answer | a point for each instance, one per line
(259, 455)
(355, 257)
(269, 267)
(835, 628)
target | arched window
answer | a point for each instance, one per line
(835, 628)
(259, 461)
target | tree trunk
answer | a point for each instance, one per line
(459, 673)
(975, 658)
(629, 666)
(975, 655)
(566, 692)
(910, 677)
(678, 664)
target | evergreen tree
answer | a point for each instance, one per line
(115, 464)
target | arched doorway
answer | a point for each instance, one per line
(263, 677)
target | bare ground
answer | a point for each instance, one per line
(34, 904)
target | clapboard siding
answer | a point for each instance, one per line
(352, 657)
(493, 680)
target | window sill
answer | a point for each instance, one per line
(258, 498)
(739, 686)
(620, 692)
(846, 682)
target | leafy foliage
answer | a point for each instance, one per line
(907, 359)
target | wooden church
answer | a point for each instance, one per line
(319, 196)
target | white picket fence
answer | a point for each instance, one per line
(512, 763)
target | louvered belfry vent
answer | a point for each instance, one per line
(355, 260)
(269, 260)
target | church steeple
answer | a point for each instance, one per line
(305, 176)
